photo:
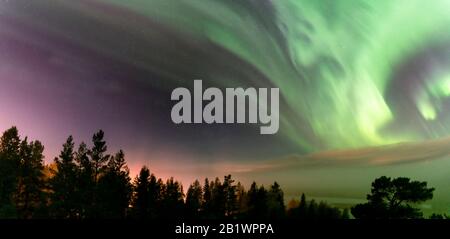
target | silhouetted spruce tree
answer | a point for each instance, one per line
(257, 202)
(148, 195)
(207, 197)
(229, 189)
(97, 154)
(99, 159)
(157, 198)
(194, 200)
(9, 171)
(173, 199)
(218, 199)
(241, 198)
(275, 202)
(29, 197)
(252, 195)
(141, 200)
(324, 211)
(311, 213)
(156, 190)
(114, 188)
(86, 182)
(65, 197)
(262, 203)
(301, 213)
(394, 198)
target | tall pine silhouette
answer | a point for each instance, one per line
(65, 183)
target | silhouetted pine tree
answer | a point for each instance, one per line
(311, 212)
(324, 211)
(275, 202)
(252, 201)
(157, 193)
(172, 201)
(65, 197)
(218, 199)
(156, 190)
(86, 182)
(97, 154)
(194, 200)
(141, 200)
(29, 197)
(241, 199)
(229, 189)
(262, 207)
(257, 202)
(114, 188)
(301, 212)
(207, 197)
(99, 159)
(9, 171)
(394, 198)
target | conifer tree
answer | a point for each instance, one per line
(29, 195)
(9, 171)
(276, 207)
(229, 190)
(141, 201)
(114, 188)
(173, 199)
(194, 199)
(64, 184)
(86, 181)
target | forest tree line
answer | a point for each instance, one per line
(86, 183)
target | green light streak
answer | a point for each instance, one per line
(339, 62)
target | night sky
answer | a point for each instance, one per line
(364, 86)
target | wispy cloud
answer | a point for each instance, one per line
(369, 156)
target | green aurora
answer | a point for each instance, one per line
(364, 86)
(333, 61)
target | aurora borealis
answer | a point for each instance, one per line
(364, 85)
